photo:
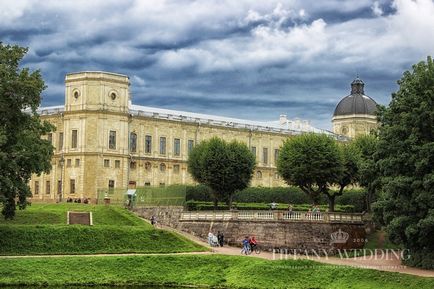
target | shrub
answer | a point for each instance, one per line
(209, 206)
(354, 198)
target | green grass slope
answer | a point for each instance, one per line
(42, 229)
(198, 270)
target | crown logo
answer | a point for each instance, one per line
(339, 237)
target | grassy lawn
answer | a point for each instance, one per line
(42, 229)
(55, 214)
(199, 270)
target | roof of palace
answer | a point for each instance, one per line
(284, 125)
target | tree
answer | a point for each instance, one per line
(22, 151)
(348, 173)
(405, 159)
(313, 163)
(224, 167)
(366, 146)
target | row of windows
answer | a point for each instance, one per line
(111, 184)
(148, 145)
(59, 187)
(259, 175)
(265, 154)
(148, 165)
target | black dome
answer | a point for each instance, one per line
(357, 102)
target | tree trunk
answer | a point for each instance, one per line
(216, 203)
(229, 202)
(331, 203)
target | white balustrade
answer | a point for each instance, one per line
(271, 215)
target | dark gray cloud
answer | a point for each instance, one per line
(250, 59)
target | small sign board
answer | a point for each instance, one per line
(79, 218)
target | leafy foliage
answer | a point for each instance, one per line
(351, 198)
(22, 151)
(368, 173)
(405, 161)
(314, 162)
(223, 167)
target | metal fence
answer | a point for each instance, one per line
(144, 196)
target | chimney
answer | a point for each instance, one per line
(282, 119)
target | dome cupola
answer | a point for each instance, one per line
(357, 102)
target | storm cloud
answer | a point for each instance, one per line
(243, 59)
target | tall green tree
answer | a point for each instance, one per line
(313, 163)
(405, 159)
(22, 150)
(224, 167)
(366, 146)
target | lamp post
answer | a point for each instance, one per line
(60, 188)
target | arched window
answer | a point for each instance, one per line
(259, 175)
(162, 167)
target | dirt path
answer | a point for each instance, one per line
(390, 263)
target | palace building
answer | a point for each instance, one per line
(103, 141)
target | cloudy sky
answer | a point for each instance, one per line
(243, 59)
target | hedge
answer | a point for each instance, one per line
(355, 198)
(209, 206)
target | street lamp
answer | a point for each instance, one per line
(60, 188)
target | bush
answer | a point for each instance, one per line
(209, 206)
(354, 198)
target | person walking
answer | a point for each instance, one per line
(220, 238)
(246, 246)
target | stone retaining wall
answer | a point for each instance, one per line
(299, 235)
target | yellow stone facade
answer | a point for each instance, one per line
(93, 147)
(354, 125)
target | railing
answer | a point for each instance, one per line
(272, 216)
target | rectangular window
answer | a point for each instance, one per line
(253, 151)
(176, 169)
(50, 138)
(111, 184)
(133, 142)
(59, 187)
(148, 144)
(112, 140)
(147, 184)
(72, 186)
(60, 145)
(47, 187)
(68, 163)
(77, 163)
(133, 165)
(106, 163)
(162, 145)
(190, 145)
(36, 187)
(74, 139)
(265, 155)
(276, 155)
(117, 164)
(177, 147)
